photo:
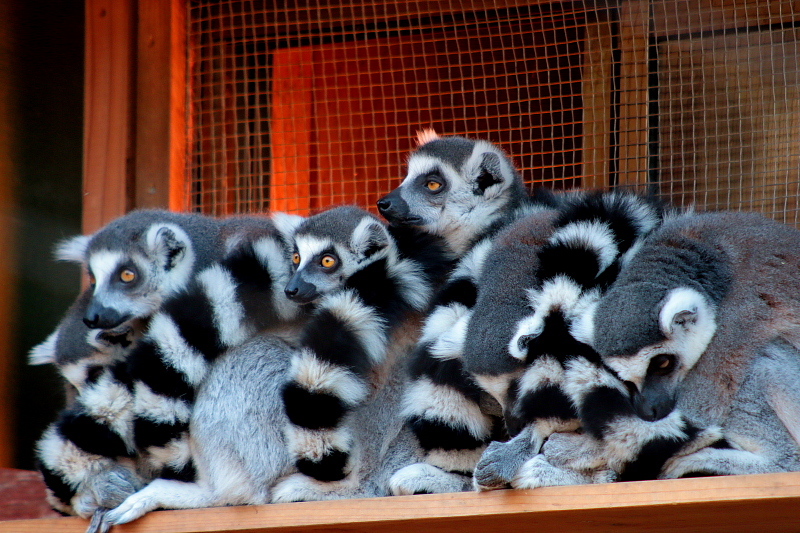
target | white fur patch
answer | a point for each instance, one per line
(582, 377)
(362, 320)
(544, 371)
(428, 400)
(497, 385)
(316, 444)
(176, 278)
(454, 460)
(176, 454)
(687, 319)
(441, 320)
(174, 350)
(111, 403)
(625, 437)
(286, 224)
(229, 316)
(411, 281)
(450, 344)
(594, 236)
(44, 352)
(72, 249)
(360, 237)
(300, 488)
(64, 457)
(320, 376)
(159, 408)
(471, 265)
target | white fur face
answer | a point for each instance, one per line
(128, 284)
(323, 266)
(687, 320)
(462, 205)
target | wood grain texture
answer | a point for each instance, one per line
(764, 503)
(108, 111)
(161, 88)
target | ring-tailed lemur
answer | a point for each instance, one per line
(465, 192)
(340, 434)
(706, 318)
(135, 412)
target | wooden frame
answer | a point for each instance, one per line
(765, 503)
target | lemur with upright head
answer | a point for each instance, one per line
(320, 420)
(132, 414)
(464, 192)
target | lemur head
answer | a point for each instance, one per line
(455, 188)
(133, 263)
(659, 317)
(332, 246)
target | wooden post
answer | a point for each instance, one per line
(108, 112)
(633, 132)
(161, 88)
(597, 74)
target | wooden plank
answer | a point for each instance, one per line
(597, 77)
(161, 87)
(108, 112)
(633, 128)
(713, 505)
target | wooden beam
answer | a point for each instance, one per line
(597, 76)
(633, 126)
(108, 112)
(732, 504)
(161, 88)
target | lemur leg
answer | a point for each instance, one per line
(501, 461)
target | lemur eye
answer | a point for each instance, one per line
(127, 275)
(433, 185)
(296, 258)
(92, 279)
(662, 364)
(327, 261)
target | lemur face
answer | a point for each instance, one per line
(332, 246)
(131, 281)
(454, 188)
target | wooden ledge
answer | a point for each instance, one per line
(766, 503)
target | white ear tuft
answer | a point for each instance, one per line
(72, 249)
(527, 329)
(426, 135)
(286, 223)
(369, 237)
(44, 353)
(169, 242)
(681, 310)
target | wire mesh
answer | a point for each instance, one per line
(297, 105)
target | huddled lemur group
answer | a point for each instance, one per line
(484, 338)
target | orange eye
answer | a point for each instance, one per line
(327, 261)
(296, 258)
(127, 275)
(433, 185)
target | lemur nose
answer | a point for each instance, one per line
(384, 204)
(291, 292)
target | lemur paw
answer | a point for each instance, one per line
(501, 461)
(135, 506)
(537, 472)
(573, 451)
(112, 487)
(422, 478)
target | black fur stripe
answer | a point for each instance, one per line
(376, 289)
(557, 341)
(187, 473)
(600, 406)
(147, 433)
(193, 313)
(447, 372)
(91, 435)
(598, 207)
(435, 434)
(334, 342)
(312, 410)
(246, 268)
(580, 264)
(330, 468)
(428, 250)
(461, 290)
(120, 371)
(548, 401)
(651, 459)
(146, 365)
(62, 490)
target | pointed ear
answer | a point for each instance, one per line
(491, 172)
(369, 237)
(44, 353)
(73, 249)
(169, 244)
(682, 310)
